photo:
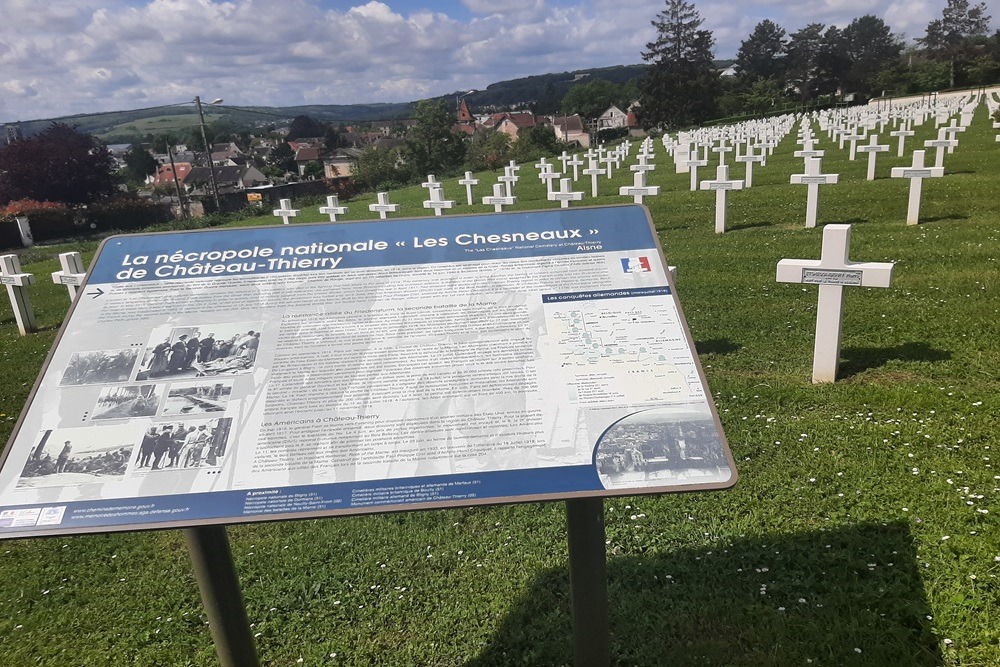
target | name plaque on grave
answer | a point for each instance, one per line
(832, 277)
(9, 280)
(917, 173)
(70, 280)
(234, 375)
(821, 180)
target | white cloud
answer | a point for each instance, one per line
(71, 56)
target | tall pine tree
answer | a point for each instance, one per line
(682, 86)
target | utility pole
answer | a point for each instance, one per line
(208, 150)
(177, 185)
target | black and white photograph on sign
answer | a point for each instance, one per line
(197, 398)
(99, 367)
(74, 456)
(184, 445)
(201, 351)
(662, 444)
(128, 402)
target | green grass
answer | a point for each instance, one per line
(158, 124)
(855, 536)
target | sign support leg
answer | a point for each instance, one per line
(220, 593)
(588, 576)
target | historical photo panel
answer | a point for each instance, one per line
(128, 402)
(193, 398)
(74, 456)
(200, 351)
(184, 444)
(99, 367)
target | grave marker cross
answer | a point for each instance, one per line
(813, 179)
(468, 182)
(71, 274)
(832, 272)
(564, 195)
(383, 206)
(916, 172)
(437, 201)
(873, 149)
(499, 198)
(333, 208)
(722, 185)
(285, 211)
(17, 282)
(638, 190)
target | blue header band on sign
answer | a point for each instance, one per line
(289, 248)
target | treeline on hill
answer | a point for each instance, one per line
(812, 66)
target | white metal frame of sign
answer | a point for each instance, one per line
(237, 375)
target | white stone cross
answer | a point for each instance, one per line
(813, 179)
(499, 199)
(854, 138)
(542, 164)
(808, 151)
(722, 149)
(832, 272)
(608, 160)
(564, 195)
(383, 206)
(285, 210)
(468, 182)
(564, 158)
(902, 133)
(576, 163)
(873, 149)
(17, 283)
(594, 171)
(639, 190)
(509, 178)
(939, 145)
(693, 165)
(333, 208)
(547, 175)
(437, 201)
(643, 163)
(513, 166)
(916, 172)
(722, 185)
(950, 133)
(72, 273)
(682, 155)
(749, 158)
(430, 183)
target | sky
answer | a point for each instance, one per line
(61, 57)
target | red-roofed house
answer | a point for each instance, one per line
(514, 121)
(165, 174)
(570, 129)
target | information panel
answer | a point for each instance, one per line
(232, 375)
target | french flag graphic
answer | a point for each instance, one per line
(635, 264)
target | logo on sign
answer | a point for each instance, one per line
(636, 264)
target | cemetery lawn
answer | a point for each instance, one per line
(863, 530)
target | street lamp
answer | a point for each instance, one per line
(208, 150)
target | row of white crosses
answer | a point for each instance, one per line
(332, 209)
(71, 274)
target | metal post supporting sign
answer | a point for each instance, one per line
(220, 593)
(588, 578)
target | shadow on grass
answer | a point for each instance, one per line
(716, 346)
(859, 359)
(778, 600)
(749, 225)
(940, 218)
(848, 221)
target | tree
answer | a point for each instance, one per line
(870, 47)
(681, 86)
(58, 165)
(762, 54)
(833, 63)
(378, 168)
(313, 170)
(431, 146)
(591, 99)
(305, 126)
(139, 164)
(332, 139)
(802, 53)
(282, 157)
(488, 150)
(534, 142)
(949, 37)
